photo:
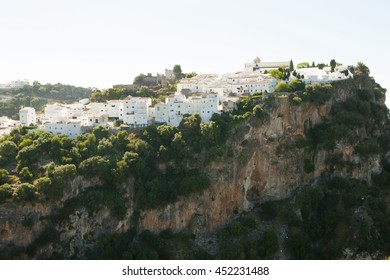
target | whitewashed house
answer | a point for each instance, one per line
(197, 83)
(6, 125)
(136, 110)
(71, 128)
(258, 66)
(112, 108)
(27, 116)
(56, 113)
(92, 120)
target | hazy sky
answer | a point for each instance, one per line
(101, 43)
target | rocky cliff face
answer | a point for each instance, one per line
(264, 166)
(257, 172)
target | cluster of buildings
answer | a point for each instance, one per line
(14, 84)
(252, 79)
(205, 94)
(78, 118)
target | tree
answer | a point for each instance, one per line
(276, 73)
(321, 65)
(177, 71)
(44, 186)
(291, 66)
(4, 176)
(303, 65)
(96, 166)
(100, 132)
(139, 79)
(362, 68)
(259, 112)
(332, 65)
(210, 133)
(166, 134)
(191, 130)
(281, 87)
(296, 100)
(296, 85)
(190, 75)
(6, 192)
(25, 174)
(8, 152)
(26, 192)
(268, 244)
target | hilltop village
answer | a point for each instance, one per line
(205, 94)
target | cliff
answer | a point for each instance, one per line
(270, 159)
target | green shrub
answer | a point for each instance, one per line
(4, 176)
(6, 192)
(8, 152)
(368, 147)
(296, 100)
(308, 166)
(25, 174)
(26, 192)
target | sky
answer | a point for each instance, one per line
(102, 43)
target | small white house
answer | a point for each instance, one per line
(71, 128)
(112, 108)
(56, 113)
(27, 116)
(136, 110)
(6, 125)
(94, 120)
(197, 83)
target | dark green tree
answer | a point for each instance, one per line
(8, 152)
(291, 66)
(177, 71)
(333, 65)
(281, 87)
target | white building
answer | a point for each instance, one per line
(6, 125)
(316, 75)
(70, 128)
(244, 82)
(91, 120)
(112, 108)
(14, 84)
(177, 106)
(56, 112)
(131, 110)
(251, 80)
(27, 116)
(197, 83)
(136, 110)
(258, 66)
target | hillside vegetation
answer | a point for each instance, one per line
(38, 95)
